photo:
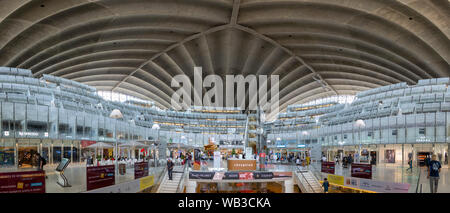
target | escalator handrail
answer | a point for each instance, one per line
(183, 173)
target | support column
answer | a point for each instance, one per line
(288, 186)
(403, 154)
(191, 187)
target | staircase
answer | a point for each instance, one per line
(308, 182)
(171, 186)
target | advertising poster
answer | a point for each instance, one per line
(389, 156)
(201, 175)
(140, 170)
(383, 187)
(245, 175)
(361, 170)
(336, 179)
(352, 182)
(263, 175)
(22, 182)
(146, 182)
(99, 176)
(328, 167)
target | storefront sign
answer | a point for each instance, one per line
(31, 134)
(245, 175)
(335, 179)
(263, 175)
(22, 182)
(241, 165)
(201, 175)
(361, 170)
(99, 176)
(140, 170)
(85, 143)
(328, 167)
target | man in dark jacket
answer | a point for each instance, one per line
(170, 168)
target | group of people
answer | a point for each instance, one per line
(303, 161)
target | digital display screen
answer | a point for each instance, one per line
(63, 164)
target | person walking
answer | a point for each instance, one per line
(410, 165)
(434, 169)
(40, 162)
(325, 185)
(169, 168)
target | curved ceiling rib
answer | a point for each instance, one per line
(137, 46)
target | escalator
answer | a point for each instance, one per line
(307, 182)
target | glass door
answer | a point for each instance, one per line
(7, 152)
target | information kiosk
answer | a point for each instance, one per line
(62, 180)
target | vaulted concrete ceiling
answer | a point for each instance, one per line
(318, 47)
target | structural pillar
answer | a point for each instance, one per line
(288, 186)
(191, 187)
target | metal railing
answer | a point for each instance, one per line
(418, 181)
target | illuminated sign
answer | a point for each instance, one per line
(35, 134)
(301, 145)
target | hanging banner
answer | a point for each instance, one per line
(282, 174)
(99, 176)
(361, 170)
(231, 176)
(328, 167)
(201, 175)
(22, 182)
(263, 175)
(245, 175)
(140, 170)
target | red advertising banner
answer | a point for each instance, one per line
(22, 182)
(361, 170)
(328, 167)
(85, 143)
(140, 170)
(245, 175)
(262, 155)
(99, 176)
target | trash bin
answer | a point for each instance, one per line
(122, 169)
